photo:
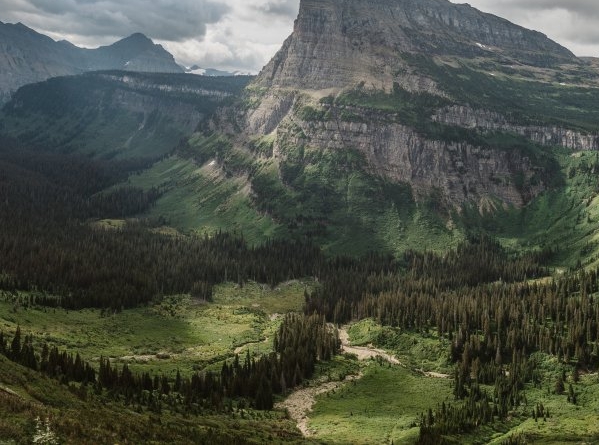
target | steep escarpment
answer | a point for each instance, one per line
(466, 117)
(335, 43)
(463, 172)
(424, 91)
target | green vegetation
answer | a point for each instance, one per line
(528, 102)
(381, 407)
(423, 351)
(322, 195)
(401, 309)
(115, 114)
(179, 333)
(29, 401)
(386, 404)
(161, 266)
(409, 108)
(202, 199)
(299, 342)
(565, 218)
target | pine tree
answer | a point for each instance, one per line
(15, 347)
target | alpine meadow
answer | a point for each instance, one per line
(389, 235)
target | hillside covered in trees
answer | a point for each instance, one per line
(497, 309)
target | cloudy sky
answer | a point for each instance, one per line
(244, 34)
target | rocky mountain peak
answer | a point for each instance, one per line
(341, 42)
(27, 56)
(416, 87)
(135, 42)
(137, 53)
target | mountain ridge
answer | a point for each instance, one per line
(409, 150)
(366, 48)
(27, 56)
(359, 132)
(106, 114)
(376, 78)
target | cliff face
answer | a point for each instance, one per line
(466, 117)
(339, 43)
(461, 171)
(28, 57)
(376, 47)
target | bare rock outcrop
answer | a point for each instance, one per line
(460, 171)
(466, 117)
(345, 45)
(339, 43)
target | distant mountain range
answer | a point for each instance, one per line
(212, 72)
(115, 114)
(27, 56)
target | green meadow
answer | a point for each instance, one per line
(383, 407)
(175, 333)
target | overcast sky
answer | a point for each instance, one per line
(244, 34)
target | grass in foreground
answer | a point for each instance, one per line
(384, 405)
(26, 396)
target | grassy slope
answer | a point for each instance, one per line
(188, 334)
(383, 406)
(99, 132)
(194, 336)
(566, 217)
(201, 199)
(114, 114)
(327, 196)
(362, 213)
(380, 407)
(75, 420)
(344, 211)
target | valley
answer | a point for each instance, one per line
(390, 235)
(353, 398)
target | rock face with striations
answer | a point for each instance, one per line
(28, 57)
(344, 45)
(336, 43)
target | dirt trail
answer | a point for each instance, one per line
(300, 402)
(437, 375)
(241, 348)
(364, 352)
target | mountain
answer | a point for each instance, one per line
(388, 154)
(392, 125)
(134, 53)
(399, 64)
(28, 57)
(339, 43)
(110, 114)
(382, 125)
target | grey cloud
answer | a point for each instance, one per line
(285, 8)
(245, 33)
(572, 23)
(171, 20)
(585, 32)
(235, 62)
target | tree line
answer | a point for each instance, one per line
(300, 342)
(496, 309)
(48, 244)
